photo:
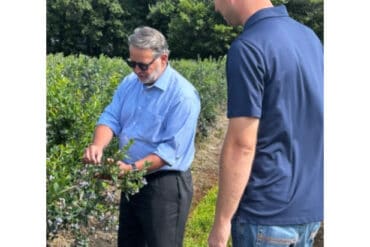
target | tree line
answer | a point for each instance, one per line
(192, 27)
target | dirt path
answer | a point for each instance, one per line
(205, 165)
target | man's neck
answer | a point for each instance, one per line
(252, 6)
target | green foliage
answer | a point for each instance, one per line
(192, 21)
(78, 194)
(193, 28)
(201, 221)
(129, 183)
(74, 197)
(86, 26)
(78, 89)
(136, 13)
(161, 12)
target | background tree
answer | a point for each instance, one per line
(85, 26)
(193, 28)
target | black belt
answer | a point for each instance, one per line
(162, 173)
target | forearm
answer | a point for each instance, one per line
(102, 136)
(155, 162)
(235, 166)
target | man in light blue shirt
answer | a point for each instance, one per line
(157, 108)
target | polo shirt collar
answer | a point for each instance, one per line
(278, 11)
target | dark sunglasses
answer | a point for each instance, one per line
(142, 66)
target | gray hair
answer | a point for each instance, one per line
(149, 38)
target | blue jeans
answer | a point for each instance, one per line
(247, 235)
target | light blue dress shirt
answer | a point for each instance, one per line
(161, 119)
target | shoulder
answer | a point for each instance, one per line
(242, 46)
(181, 86)
(245, 54)
(128, 82)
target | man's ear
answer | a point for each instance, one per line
(164, 58)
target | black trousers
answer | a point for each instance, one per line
(156, 216)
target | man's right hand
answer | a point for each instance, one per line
(93, 154)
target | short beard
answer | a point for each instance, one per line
(152, 77)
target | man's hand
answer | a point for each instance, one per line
(219, 235)
(124, 167)
(93, 154)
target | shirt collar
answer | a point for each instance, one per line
(278, 11)
(163, 80)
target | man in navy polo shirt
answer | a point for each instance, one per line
(271, 168)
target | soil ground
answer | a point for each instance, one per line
(205, 174)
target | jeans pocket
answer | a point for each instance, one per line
(271, 236)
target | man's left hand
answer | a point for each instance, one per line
(219, 235)
(123, 167)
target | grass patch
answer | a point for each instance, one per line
(201, 220)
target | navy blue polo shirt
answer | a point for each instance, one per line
(275, 73)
